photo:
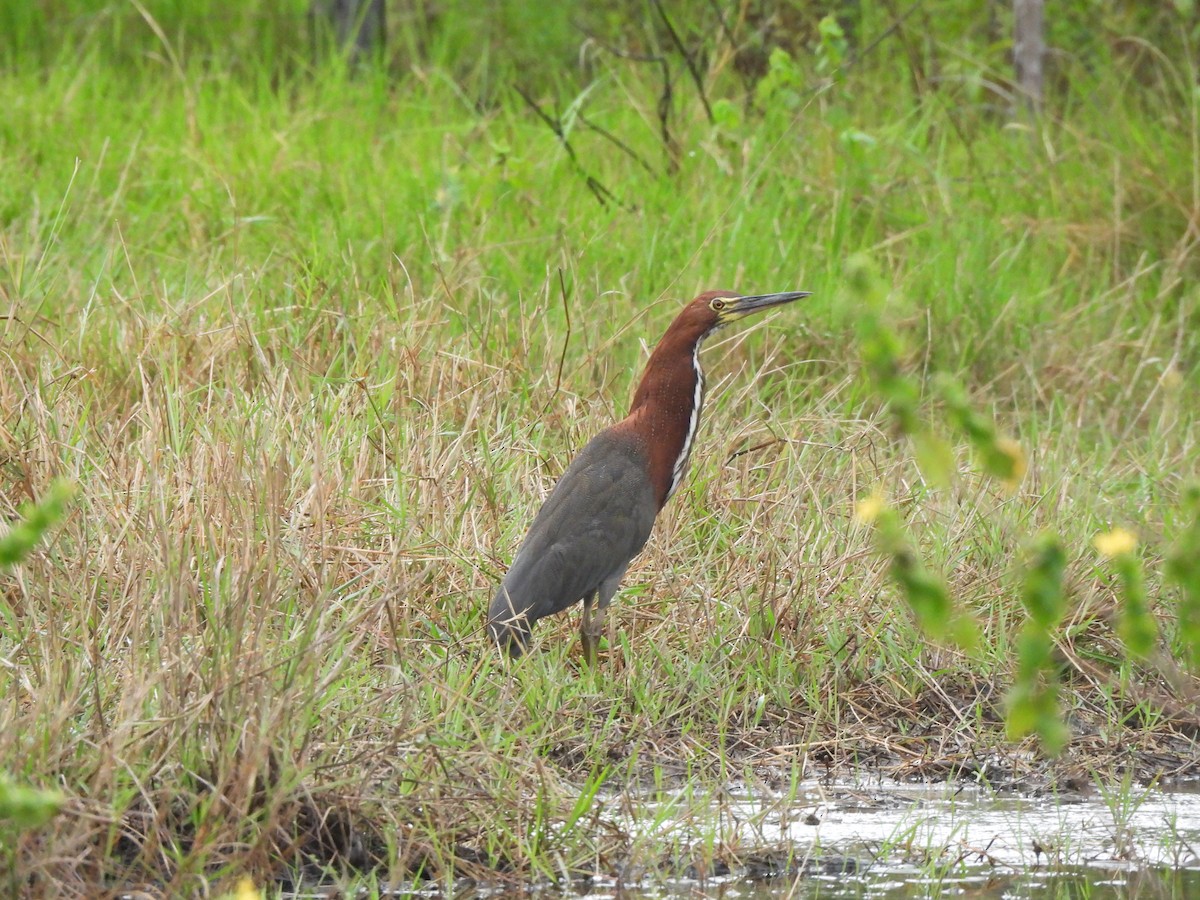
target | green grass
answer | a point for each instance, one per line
(313, 346)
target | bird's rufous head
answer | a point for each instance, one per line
(712, 309)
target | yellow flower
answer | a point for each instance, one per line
(869, 508)
(1016, 453)
(247, 891)
(1117, 542)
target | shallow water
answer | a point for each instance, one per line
(893, 840)
(1146, 826)
(853, 839)
(897, 885)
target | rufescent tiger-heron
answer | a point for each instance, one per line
(600, 513)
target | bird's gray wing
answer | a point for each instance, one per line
(596, 519)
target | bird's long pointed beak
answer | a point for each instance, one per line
(743, 305)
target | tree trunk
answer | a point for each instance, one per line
(359, 26)
(1029, 50)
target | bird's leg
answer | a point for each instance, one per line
(594, 608)
(590, 627)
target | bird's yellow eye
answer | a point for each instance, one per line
(717, 305)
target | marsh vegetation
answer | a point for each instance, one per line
(312, 341)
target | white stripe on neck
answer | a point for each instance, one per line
(681, 463)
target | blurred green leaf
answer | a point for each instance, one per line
(831, 50)
(27, 807)
(926, 593)
(36, 519)
(998, 456)
(1183, 567)
(935, 457)
(727, 115)
(1033, 701)
(782, 83)
(1136, 625)
(852, 137)
(1043, 591)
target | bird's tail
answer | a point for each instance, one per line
(508, 626)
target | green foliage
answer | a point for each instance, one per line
(727, 115)
(22, 806)
(881, 351)
(881, 347)
(1042, 590)
(1183, 567)
(1033, 701)
(781, 86)
(25, 807)
(1136, 624)
(36, 519)
(927, 595)
(832, 47)
(1000, 457)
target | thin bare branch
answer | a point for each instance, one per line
(692, 68)
(599, 191)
